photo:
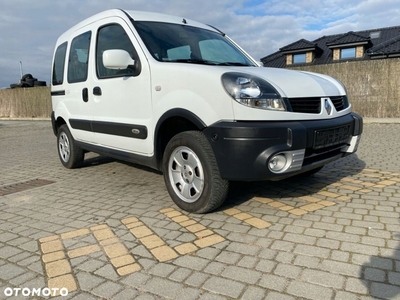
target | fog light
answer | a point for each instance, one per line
(277, 162)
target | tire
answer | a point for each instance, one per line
(39, 83)
(71, 156)
(191, 173)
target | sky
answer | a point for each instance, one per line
(29, 29)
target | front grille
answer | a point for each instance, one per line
(313, 105)
(305, 105)
(340, 102)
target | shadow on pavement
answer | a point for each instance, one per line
(379, 274)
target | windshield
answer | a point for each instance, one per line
(181, 43)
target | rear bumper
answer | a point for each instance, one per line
(243, 149)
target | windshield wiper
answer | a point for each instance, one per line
(194, 61)
(232, 63)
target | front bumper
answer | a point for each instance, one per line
(243, 149)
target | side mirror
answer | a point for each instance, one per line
(117, 59)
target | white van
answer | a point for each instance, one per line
(181, 97)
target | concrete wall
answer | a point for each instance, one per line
(25, 103)
(373, 86)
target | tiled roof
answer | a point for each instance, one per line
(382, 42)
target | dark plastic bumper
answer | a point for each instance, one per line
(243, 149)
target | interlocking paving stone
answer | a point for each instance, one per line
(334, 235)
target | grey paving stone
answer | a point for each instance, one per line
(254, 293)
(323, 278)
(309, 291)
(10, 271)
(225, 287)
(241, 274)
(107, 289)
(88, 281)
(162, 287)
(384, 291)
(273, 282)
(196, 279)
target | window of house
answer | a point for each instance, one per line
(78, 58)
(299, 58)
(347, 53)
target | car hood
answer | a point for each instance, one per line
(297, 84)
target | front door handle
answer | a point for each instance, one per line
(85, 95)
(97, 91)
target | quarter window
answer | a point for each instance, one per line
(59, 64)
(78, 58)
(109, 37)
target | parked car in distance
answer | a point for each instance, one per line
(183, 98)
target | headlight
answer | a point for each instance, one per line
(252, 91)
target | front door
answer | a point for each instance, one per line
(120, 105)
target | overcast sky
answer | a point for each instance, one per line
(29, 28)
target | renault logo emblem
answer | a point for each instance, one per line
(328, 107)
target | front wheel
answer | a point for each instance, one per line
(191, 173)
(70, 154)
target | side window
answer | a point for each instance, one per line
(78, 58)
(109, 37)
(59, 64)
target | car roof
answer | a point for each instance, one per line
(135, 16)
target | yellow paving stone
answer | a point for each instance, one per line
(195, 228)
(312, 207)
(243, 216)
(52, 246)
(276, 204)
(298, 211)
(152, 241)
(187, 223)
(122, 261)
(141, 231)
(286, 207)
(263, 200)
(387, 182)
(166, 210)
(164, 253)
(350, 187)
(75, 233)
(231, 211)
(129, 269)
(396, 179)
(103, 234)
(203, 233)
(185, 248)
(134, 224)
(180, 219)
(172, 214)
(57, 268)
(83, 251)
(380, 186)
(129, 220)
(110, 241)
(209, 241)
(310, 199)
(65, 281)
(335, 184)
(373, 175)
(365, 191)
(53, 256)
(99, 227)
(115, 250)
(344, 198)
(328, 194)
(326, 203)
(368, 183)
(258, 223)
(49, 238)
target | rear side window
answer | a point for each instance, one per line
(78, 58)
(113, 36)
(59, 64)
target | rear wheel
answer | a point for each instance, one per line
(71, 155)
(191, 173)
